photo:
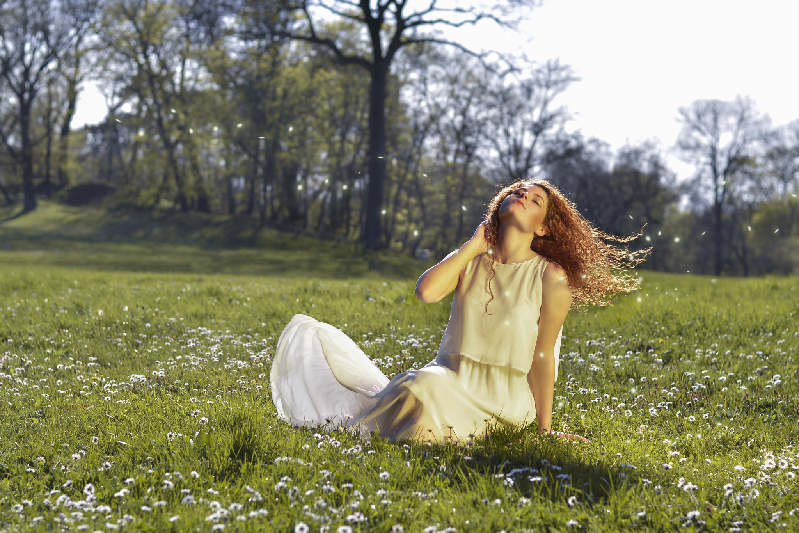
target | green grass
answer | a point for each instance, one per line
(140, 401)
(164, 240)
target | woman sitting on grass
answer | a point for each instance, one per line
(531, 260)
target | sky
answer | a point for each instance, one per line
(640, 60)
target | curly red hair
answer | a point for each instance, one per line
(596, 270)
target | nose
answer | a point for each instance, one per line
(523, 193)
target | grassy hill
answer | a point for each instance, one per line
(170, 241)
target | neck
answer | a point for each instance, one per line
(513, 245)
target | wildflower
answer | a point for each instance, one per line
(174, 518)
(356, 517)
(573, 523)
(130, 481)
(397, 528)
(572, 501)
(344, 529)
(384, 475)
(692, 515)
(146, 508)
(301, 527)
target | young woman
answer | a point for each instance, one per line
(532, 259)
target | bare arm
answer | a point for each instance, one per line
(442, 278)
(555, 306)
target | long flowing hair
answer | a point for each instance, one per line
(595, 263)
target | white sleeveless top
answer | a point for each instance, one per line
(507, 334)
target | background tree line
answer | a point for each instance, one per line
(355, 121)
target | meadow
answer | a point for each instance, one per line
(140, 401)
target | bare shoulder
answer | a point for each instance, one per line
(555, 286)
(554, 275)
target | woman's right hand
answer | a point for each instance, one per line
(478, 240)
(441, 279)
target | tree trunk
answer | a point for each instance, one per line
(26, 154)
(231, 201)
(372, 231)
(66, 128)
(251, 195)
(48, 155)
(718, 238)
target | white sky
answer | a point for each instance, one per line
(640, 60)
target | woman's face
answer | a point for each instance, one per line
(527, 205)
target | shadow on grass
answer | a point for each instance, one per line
(537, 466)
(170, 241)
(9, 217)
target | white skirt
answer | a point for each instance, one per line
(320, 377)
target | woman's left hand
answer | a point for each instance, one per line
(569, 436)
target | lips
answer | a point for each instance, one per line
(519, 202)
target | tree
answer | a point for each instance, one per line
(158, 48)
(32, 35)
(71, 66)
(578, 167)
(619, 198)
(720, 138)
(525, 118)
(390, 26)
(781, 160)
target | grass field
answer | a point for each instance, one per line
(170, 241)
(140, 401)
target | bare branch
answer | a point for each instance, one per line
(415, 21)
(342, 14)
(327, 42)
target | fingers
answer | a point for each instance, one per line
(571, 437)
